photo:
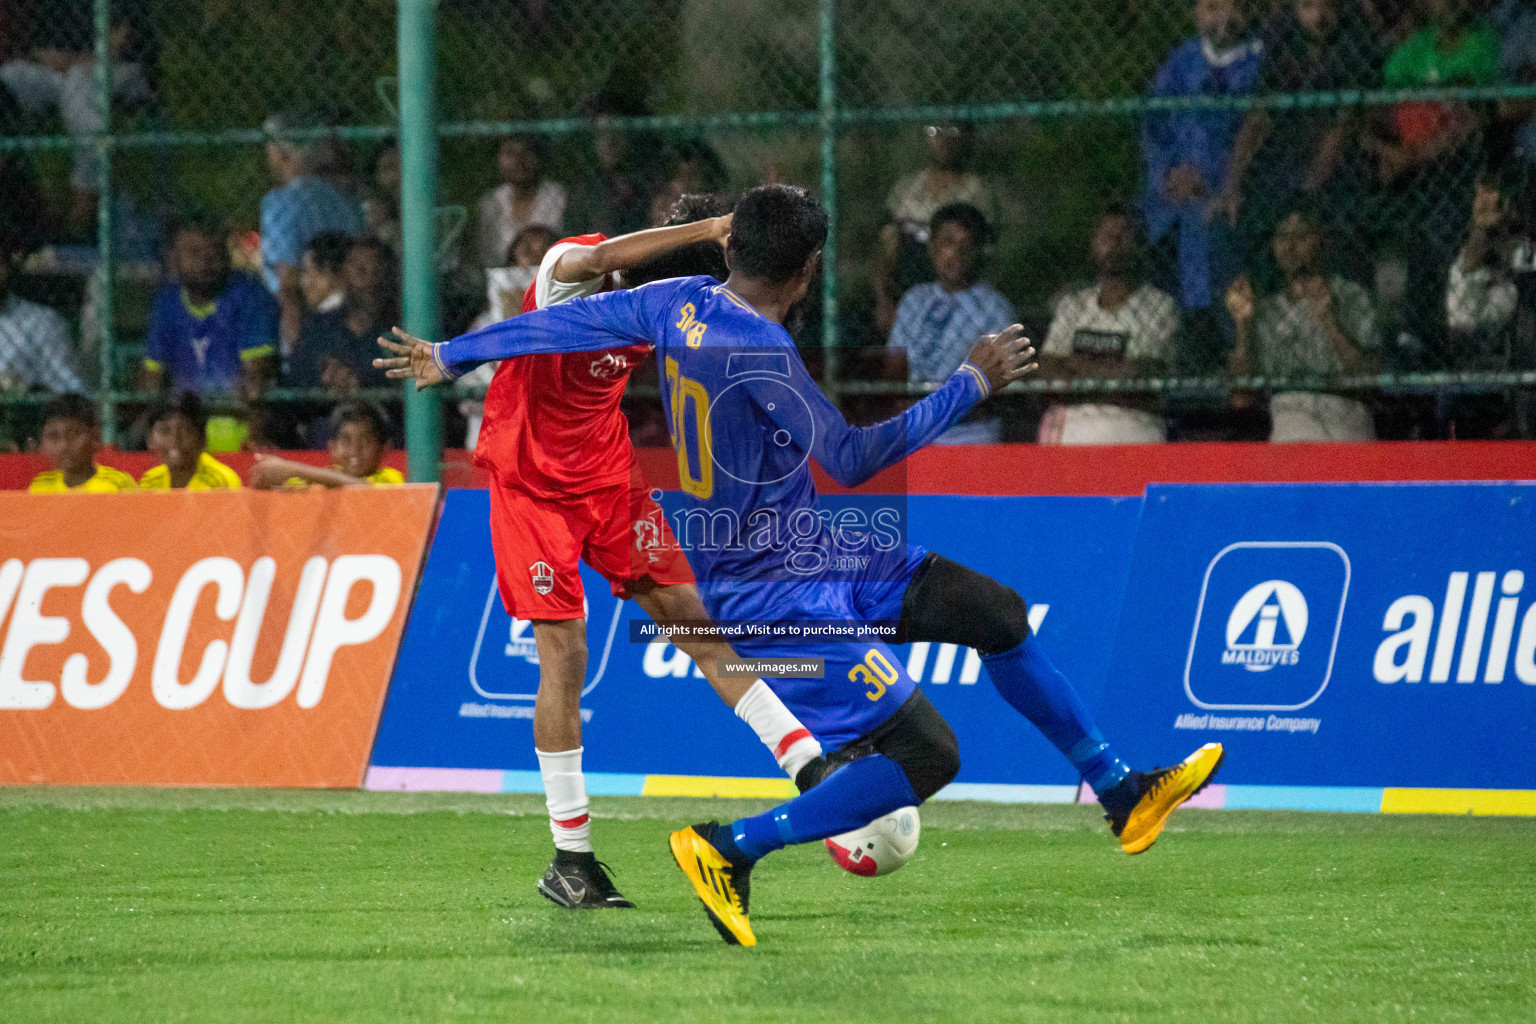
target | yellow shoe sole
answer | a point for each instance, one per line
(1151, 813)
(698, 861)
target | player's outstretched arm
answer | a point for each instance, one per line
(591, 324)
(851, 455)
(589, 262)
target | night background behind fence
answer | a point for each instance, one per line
(1386, 139)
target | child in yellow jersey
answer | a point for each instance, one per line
(361, 437)
(71, 439)
(178, 433)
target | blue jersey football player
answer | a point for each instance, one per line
(746, 418)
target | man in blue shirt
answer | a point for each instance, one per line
(746, 418)
(1187, 151)
(211, 331)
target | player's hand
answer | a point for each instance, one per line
(721, 229)
(412, 360)
(1004, 357)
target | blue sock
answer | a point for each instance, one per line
(851, 797)
(1026, 679)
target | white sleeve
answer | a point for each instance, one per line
(549, 292)
(1058, 339)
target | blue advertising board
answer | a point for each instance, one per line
(464, 682)
(1351, 635)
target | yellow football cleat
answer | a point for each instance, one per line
(1162, 791)
(723, 887)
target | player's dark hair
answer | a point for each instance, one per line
(691, 260)
(358, 410)
(776, 229)
(71, 407)
(185, 404)
(328, 250)
(971, 220)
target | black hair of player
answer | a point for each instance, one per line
(73, 407)
(328, 250)
(185, 404)
(358, 410)
(971, 220)
(775, 231)
(690, 260)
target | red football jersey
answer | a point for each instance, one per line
(552, 423)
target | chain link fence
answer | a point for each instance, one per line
(1219, 219)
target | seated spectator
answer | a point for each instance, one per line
(1481, 294)
(360, 439)
(524, 197)
(178, 434)
(1187, 151)
(211, 330)
(1312, 47)
(901, 260)
(335, 349)
(35, 347)
(938, 322)
(71, 439)
(303, 205)
(56, 71)
(1119, 327)
(1316, 327)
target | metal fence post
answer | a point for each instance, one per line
(418, 198)
(827, 107)
(105, 280)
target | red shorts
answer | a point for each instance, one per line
(620, 531)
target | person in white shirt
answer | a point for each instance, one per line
(1118, 327)
(524, 198)
(36, 350)
(1317, 326)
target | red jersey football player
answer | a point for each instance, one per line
(565, 486)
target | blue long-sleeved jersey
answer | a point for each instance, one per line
(745, 418)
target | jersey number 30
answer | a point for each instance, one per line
(875, 672)
(683, 393)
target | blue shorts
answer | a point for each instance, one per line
(864, 681)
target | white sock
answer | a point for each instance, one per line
(565, 794)
(790, 743)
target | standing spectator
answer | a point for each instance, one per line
(901, 260)
(1119, 327)
(1316, 326)
(1311, 47)
(211, 330)
(335, 349)
(71, 439)
(56, 71)
(381, 210)
(35, 347)
(1428, 161)
(525, 197)
(939, 321)
(178, 433)
(1187, 151)
(301, 206)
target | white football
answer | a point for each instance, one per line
(880, 847)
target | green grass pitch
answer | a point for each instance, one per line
(141, 905)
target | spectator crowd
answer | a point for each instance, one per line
(1298, 245)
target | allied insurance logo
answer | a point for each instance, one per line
(1267, 626)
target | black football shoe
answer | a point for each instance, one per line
(579, 881)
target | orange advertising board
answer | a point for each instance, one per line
(233, 638)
